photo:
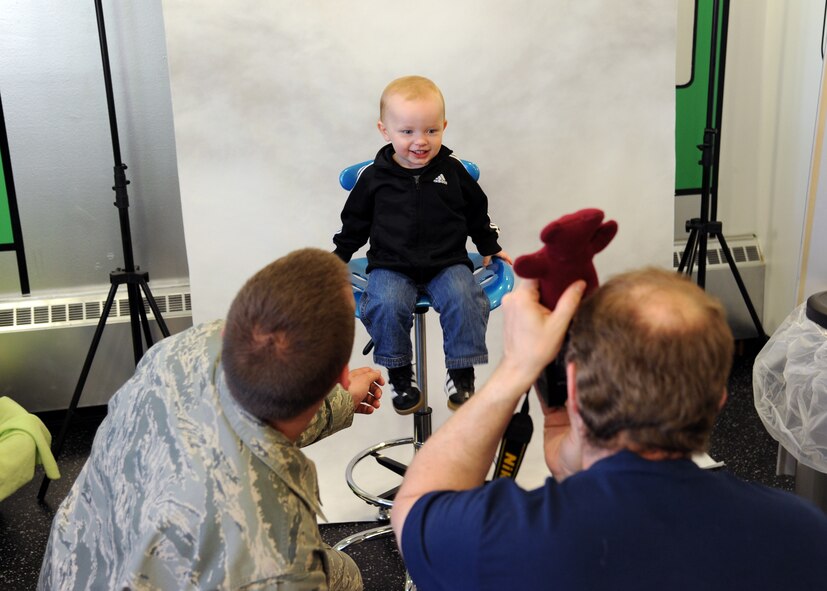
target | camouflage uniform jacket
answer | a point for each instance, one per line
(185, 490)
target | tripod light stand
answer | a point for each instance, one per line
(700, 229)
(136, 281)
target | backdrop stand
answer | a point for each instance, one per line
(136, 281)
(700, 229)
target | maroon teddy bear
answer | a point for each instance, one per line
(570, 243)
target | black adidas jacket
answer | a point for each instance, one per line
(417, 220)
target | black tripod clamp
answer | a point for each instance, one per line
(709, 227)
(707, 148)
(122, 276)
(121, 196)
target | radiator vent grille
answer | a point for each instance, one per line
(75, 312)
(176, 303)
(93, 310)
(23, 316)
(41, 314)
(86, 309)
(744, 250)
(59, 314)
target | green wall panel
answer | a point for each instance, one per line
(691, 103)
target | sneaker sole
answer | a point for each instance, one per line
(413, 409)
(454, 406)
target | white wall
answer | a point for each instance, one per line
(563, 105)
(772, 87)
(813, 264)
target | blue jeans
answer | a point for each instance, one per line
(387, 308)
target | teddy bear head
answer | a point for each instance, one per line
(569, 245)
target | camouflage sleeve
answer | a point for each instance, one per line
(342, 572)
(335, 414)
(342, 575)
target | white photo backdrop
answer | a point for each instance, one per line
(562, 104)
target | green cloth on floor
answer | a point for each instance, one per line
(24, 443)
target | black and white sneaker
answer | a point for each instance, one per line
(406, 397)
(459, 386)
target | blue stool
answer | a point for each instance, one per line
(496, 280)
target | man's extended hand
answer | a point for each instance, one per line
(366, 389)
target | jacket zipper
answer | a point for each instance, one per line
(417, 196)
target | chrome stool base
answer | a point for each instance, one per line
(372, 534)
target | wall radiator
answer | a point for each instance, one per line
(86, 309)
(748, 257)
(44, 342)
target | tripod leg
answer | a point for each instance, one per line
(134, 320)
(689, 252)
(145, 324)
(741, 287)
(704, 237)
(57, 446)
(154, 307)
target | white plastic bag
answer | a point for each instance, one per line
(789, 381)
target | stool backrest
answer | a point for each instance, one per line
(349, 176)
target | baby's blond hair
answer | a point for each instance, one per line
(410, 88)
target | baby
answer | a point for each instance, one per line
(418, 205)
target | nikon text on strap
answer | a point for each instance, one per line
(515, 442)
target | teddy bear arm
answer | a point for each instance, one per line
(532, 266)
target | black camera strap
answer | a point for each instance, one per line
(514, 444)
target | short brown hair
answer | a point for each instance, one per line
(410, 88)
(653, 354)
(289, 334)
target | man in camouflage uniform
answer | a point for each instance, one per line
(196, 479)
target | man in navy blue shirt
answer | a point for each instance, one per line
(648, 359)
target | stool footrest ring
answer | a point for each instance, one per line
(359, 491)
(363, 536)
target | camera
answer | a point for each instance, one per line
(551, 385)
